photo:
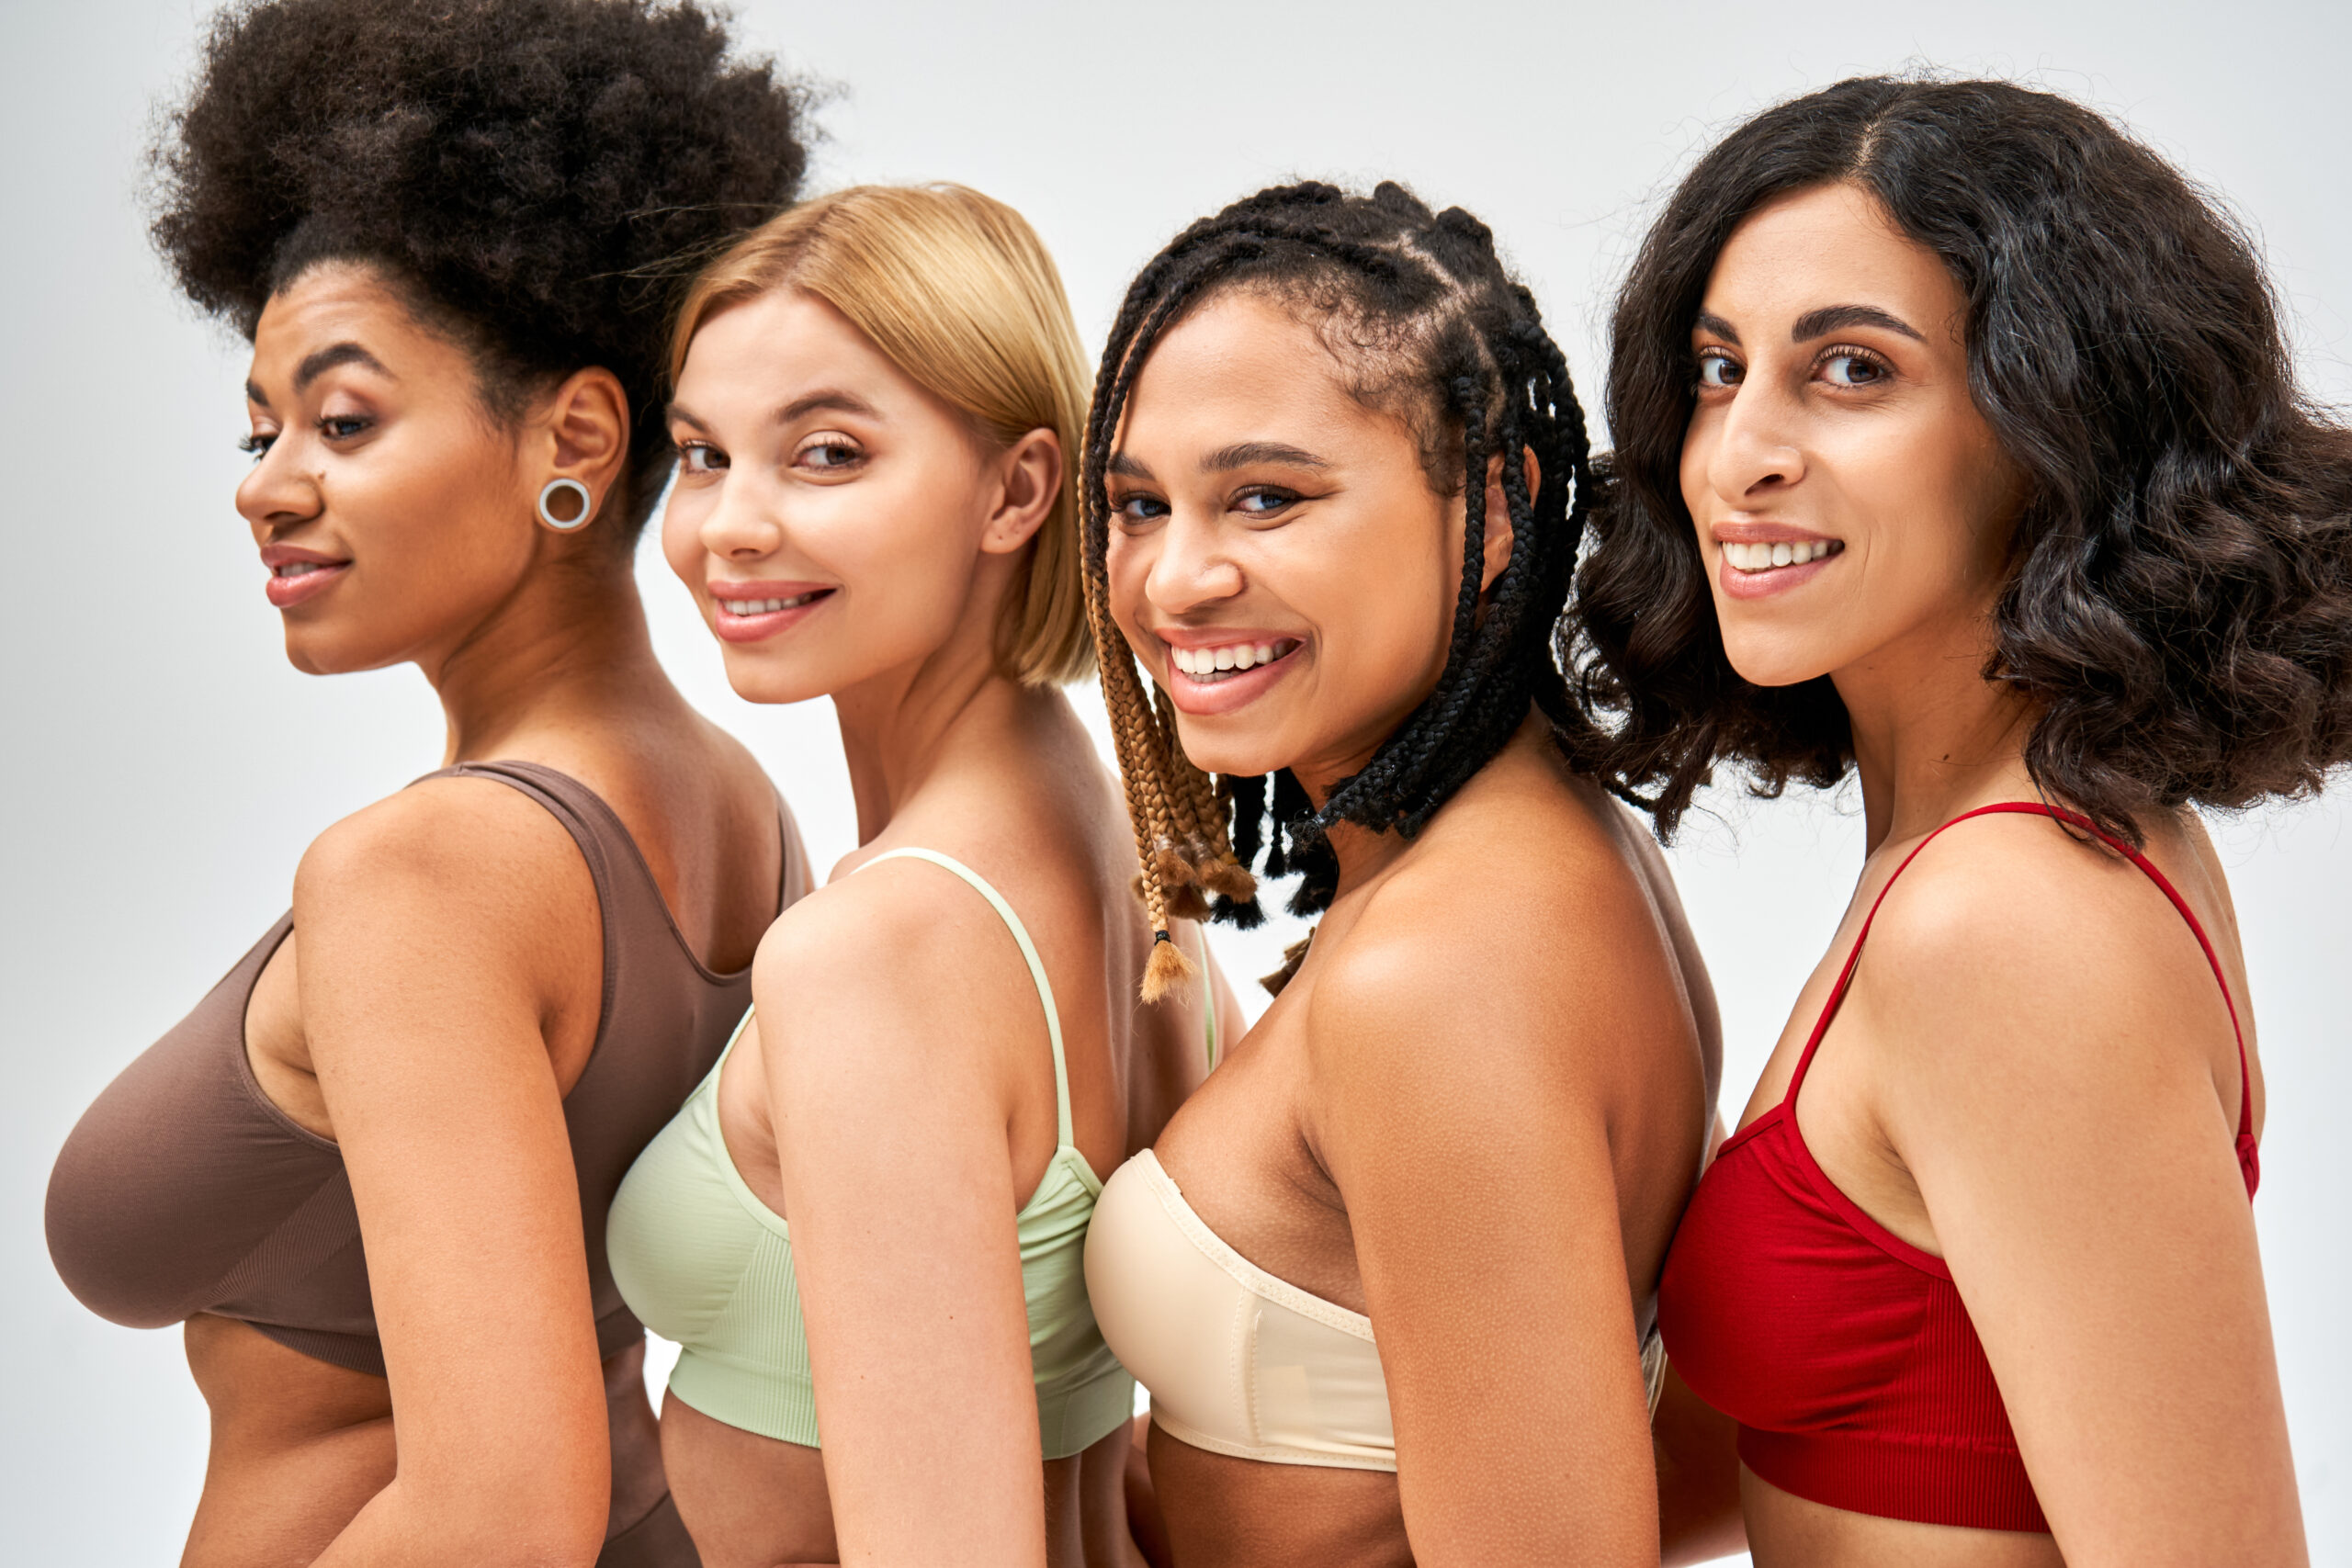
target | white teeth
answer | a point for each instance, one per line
(1209, 663)
(764, 606)
(1765, 557)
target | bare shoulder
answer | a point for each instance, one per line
(901, 949)
(1522, 930)
(462, 853)
(2014, 959)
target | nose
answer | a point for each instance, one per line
(277, 494)
(1756, 444)
(1193, 568)
(742, 523)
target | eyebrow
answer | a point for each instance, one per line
(1247, 454)
(1127, 467)
(1816, 323)
(319, 364)
(831, 397)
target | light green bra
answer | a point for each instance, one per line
(705, 1263)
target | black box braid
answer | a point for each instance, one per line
(1465, 343)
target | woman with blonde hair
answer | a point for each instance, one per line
(871, 1216)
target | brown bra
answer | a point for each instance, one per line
(183, 1190)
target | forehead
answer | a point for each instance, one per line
(777, 343)
(1829, 244)
(1242, 367)
(341, 302)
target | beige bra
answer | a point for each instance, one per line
(1239, 1362)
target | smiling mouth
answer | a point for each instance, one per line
(1761, 558)
(294, 568)
(1210, 665)
(770, 606)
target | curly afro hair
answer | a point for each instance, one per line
(2179, 601)
(535, 178)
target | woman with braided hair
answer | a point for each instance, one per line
(866, 1229)
(368, 1171)
(1335, 473)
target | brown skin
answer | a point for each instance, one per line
(1477, 1111)
(915, 529)
(441, 990)
(2034, 1074)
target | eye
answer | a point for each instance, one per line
(343, 427)
(828, 454)
(1139, 510)
(1262, 502)
(1845, 367)
(700, 457)
(1718, 371)
(257, 443)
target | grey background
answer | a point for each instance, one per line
(163, 767)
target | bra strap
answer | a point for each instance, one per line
(1028, 953)
(2075, 819)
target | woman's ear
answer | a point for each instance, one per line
(581, 432)
(1031, 476)
(1500, 532)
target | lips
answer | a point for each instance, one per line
(297, 575)
(1216, 672)
(752, 612)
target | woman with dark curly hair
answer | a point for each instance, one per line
(370, 1170)
(1958, 450)
(1335, 475)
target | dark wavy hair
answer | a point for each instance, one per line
(534, 177)
(2178, 604)
(1426, 323)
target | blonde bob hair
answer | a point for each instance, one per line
(958, 291)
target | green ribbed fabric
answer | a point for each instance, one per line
(705, 1263)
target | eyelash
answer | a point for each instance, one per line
(257, 444)
(1835, 351)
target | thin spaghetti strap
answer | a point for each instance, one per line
(2075, 819)
(1208, 996)
(1062, 1122)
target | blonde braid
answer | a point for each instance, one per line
(1136, 736)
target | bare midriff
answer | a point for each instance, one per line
(1788, 1532)
(1224, 1512)
(756, 1502)
(300, 1446)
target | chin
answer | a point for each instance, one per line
(1236, 756)
(1779, 661)
(315, 654)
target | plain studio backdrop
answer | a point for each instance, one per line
(165, 767)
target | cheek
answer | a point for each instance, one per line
(1127, 567)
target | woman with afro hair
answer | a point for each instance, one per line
(370, 1172)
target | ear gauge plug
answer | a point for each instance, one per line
(584, 502)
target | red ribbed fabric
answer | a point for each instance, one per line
(1843, 1351)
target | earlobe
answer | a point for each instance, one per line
(1501, 531)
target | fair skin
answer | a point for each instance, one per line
(442, 988)
(1433, 1124)
(2034, 1076)
(818, 472)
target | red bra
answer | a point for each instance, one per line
(1843, 1351)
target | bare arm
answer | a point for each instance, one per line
(891, 1005)
(2065, 1100)
(443, 931)
(1468, 1125)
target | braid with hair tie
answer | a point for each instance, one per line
(1462, 343)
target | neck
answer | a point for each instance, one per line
(1932, 737)
(558, 655)
(903, 730)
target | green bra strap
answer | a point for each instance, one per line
(1208, 995)
(1028, 951)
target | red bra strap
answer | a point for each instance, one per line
(2075, 819)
